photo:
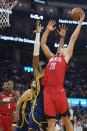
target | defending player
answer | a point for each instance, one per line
(37, 111)
(23, 108)
(54, 94)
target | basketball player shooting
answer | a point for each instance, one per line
(55, 100)
(37, 114)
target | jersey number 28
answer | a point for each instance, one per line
(52, 66)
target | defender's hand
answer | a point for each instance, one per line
(62, 30)
(38, 27)
(51, 25)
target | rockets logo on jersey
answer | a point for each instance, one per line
(55, 59)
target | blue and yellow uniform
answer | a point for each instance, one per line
(37, 110)
(24, 112)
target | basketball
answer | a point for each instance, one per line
(76, 13)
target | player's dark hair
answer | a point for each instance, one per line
(11, 81)
(5, 82)
(33, 80)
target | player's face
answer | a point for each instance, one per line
(5, 86)
(61, 50)
(33, 85)
(11, 85)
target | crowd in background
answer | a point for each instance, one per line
(75, 80)
(11, 71)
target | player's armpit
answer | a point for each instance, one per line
(67, 55)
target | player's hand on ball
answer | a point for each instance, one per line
(76, 13)
(82, 16)
(51, 25)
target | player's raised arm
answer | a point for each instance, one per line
(27, 94)
(36, 50)
(62, 32)
(69, 51)
(50, 27)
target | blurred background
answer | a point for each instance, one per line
(23, 23)
(17, 42)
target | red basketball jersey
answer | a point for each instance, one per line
(55, 72)
(7, 109)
